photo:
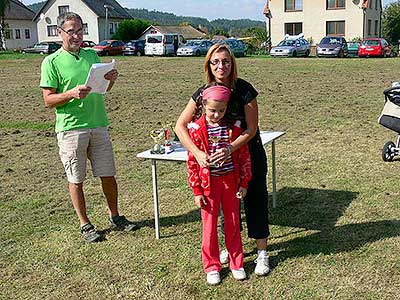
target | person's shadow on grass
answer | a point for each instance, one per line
(189, 217)
(320, 210)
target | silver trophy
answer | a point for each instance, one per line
(158, 136)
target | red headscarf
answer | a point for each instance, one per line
(217, 93)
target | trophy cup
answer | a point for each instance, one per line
(214, 139)
(169, 136)
(158, 136)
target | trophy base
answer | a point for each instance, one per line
(157, 152)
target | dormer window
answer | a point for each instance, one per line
(63, 9)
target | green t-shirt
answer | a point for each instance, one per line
(64, 71)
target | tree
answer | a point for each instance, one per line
(130, 29)
(4, 4)
(256, 39)
(391, 22)
(219, 31)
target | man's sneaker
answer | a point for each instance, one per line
(122, 223)
(213, 278)
(262, 267)
(239, 274)
(89, 233)
(224, 257)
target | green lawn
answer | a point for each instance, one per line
(335, 232)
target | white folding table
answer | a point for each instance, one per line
(180, 154)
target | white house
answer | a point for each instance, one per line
(95, 14)
(20, 31)
(319, 18)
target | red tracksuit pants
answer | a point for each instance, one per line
(223, 192)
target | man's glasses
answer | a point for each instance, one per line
(216, 62)
(72, 33)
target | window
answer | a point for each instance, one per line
(376, 28)
(293, 28)
(293, 5)
(17, 34)
(376, 4)
(113, 26)
(156, 39)
(85, 29)
(369, 27)
(335, 28)
(8, 34)
(63, 9)
(335, 4)
(27, 34)
(52, 30)
(169, 39)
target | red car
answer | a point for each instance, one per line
(375, 47)
(87, 44)
(109, 47)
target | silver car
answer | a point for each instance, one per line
(291, 46)
(194, 48)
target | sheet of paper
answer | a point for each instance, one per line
(95, 78)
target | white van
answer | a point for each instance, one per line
(163, 44)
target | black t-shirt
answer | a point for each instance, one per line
(242, 94)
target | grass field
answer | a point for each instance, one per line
(335, 232)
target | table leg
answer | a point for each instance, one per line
(155, 197)
(273, 176)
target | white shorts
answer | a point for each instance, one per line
(79, 145)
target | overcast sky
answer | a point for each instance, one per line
(209, 9)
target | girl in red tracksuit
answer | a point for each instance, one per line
(217, 185)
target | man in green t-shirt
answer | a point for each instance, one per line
(81, 122)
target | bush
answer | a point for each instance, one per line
(130, 29)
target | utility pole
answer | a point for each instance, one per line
(268, 16)
(107, 7)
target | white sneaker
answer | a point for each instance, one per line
(239, 274)
(262, 267)
(224, 257)
(213, 278)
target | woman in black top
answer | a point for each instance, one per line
(220, 68)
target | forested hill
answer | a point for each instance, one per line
(232, 27)
(36, 6)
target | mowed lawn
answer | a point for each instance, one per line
(335, 232)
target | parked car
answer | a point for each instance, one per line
(352, 49)
(163, 44)
(332, 46)
(87, 44)
(109, 47)
(194, 47)
(375, 47)
(292, 45)
(43, 48)
(134, 47)
(238, 47)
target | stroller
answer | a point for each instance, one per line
(390, 118)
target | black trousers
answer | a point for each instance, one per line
(256, 208)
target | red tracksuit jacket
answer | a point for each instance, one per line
(199, 178)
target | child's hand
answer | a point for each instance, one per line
(200, 201)
(219, 156)
(202, 159)
(241, 193)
